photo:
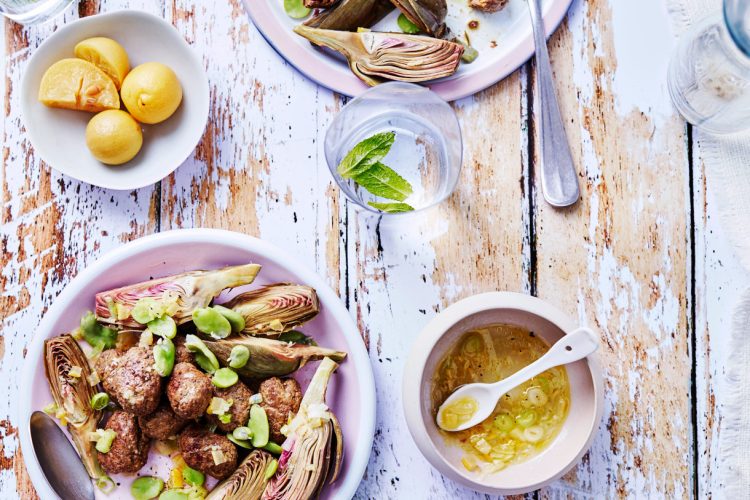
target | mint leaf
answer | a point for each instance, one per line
(365, 154)
(391, 208)
(381, 180)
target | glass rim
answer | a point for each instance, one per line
(741, 40)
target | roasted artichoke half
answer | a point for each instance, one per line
(375, 56)
(428, 15)
(179, 294)
(313, 449)
(247, 482)
(274, 309)
(268, 357)
(350, 15)
(68, 374)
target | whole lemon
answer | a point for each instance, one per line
(151, 92)
(114, 137)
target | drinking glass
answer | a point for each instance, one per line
(427, 151)
(32, 11)
(709, 75)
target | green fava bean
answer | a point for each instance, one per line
(146, 310)
(235, 319)
(163, 327)
(146, 488)
(258, 425)
(271, 469)
(193, 477)
(239, 356)
(239, 442)
(174, 495)
(224, 377)
(164, 357)
(211, 322)
(203, 355)
(243, 433)
(273, 448)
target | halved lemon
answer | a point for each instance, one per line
(78, 84)
(107, 55)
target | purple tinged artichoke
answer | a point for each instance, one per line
(274, 309)
(247, 482)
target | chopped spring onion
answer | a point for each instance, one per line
(100, 400)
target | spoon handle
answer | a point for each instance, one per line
(559, 177)
(574, 346)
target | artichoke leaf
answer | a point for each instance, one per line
(269, 357)
(247, 481)
(274, 309)
(179, 294)
(428, 15)
(73, 396)
(349, 15)
(375, 56)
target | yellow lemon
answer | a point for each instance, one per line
(78, 84)
(151, 92)
(114, 137)
(105, 54)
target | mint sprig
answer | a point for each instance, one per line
(362, 164)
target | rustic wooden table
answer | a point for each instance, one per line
(641, 258)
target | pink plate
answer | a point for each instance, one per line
(351, 394)
(503, 39)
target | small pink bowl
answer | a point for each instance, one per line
(586, 392)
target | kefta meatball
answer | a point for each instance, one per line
(181, 353)
(189, 391)
(239, 394)
(106, 361)
(319, 4)
(488, 5)
(131, 380)
(162, 424)
(281, 398)
(210, 453)
(129, 450)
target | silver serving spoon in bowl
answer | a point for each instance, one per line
(572, 347)
(60, 462)
(559, 177)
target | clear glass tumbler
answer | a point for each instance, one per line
(427, 151)
(32, 11)
(709, 75)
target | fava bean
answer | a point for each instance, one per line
(163, 327)
(146, 310)
(239, 356)
(193, 477)
(258, 425)
(224, 377)
(100, 400)
(239, 442)
(203, 355)
(146, 488)
(211, 322)
(242, 433)
(174, 495)
(273, 448)
(271, 469)
(235, 319)
(164, 357)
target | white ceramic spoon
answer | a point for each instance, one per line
(572, 347)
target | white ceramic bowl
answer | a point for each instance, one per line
(351, 394)
(586, 391)
(58, 135)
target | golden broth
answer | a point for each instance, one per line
(525, 420)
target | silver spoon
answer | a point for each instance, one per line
(60, 462)
(572, 347)
(559, 177)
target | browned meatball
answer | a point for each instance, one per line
(162, 424)
(281, 398)
(181, 353)
(201, 449)
(106, 362)
(318, 4)
(488, 5)
(129, 450)
(240, 409)
(189, 391)
(131, 380)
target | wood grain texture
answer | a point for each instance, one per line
(621, 261)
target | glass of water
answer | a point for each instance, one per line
(32, 11)
(427, 150)
(709, 74)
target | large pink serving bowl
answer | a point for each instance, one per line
(351, 394)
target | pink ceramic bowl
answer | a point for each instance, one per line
(351, 394)
(586, 391)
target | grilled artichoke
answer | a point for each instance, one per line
(274, 309)
(68, 375)
(428, 15)
(375, 57)
(313, 449)
(179, 294)
(247, 482)
(349, 15)
(268, 357)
